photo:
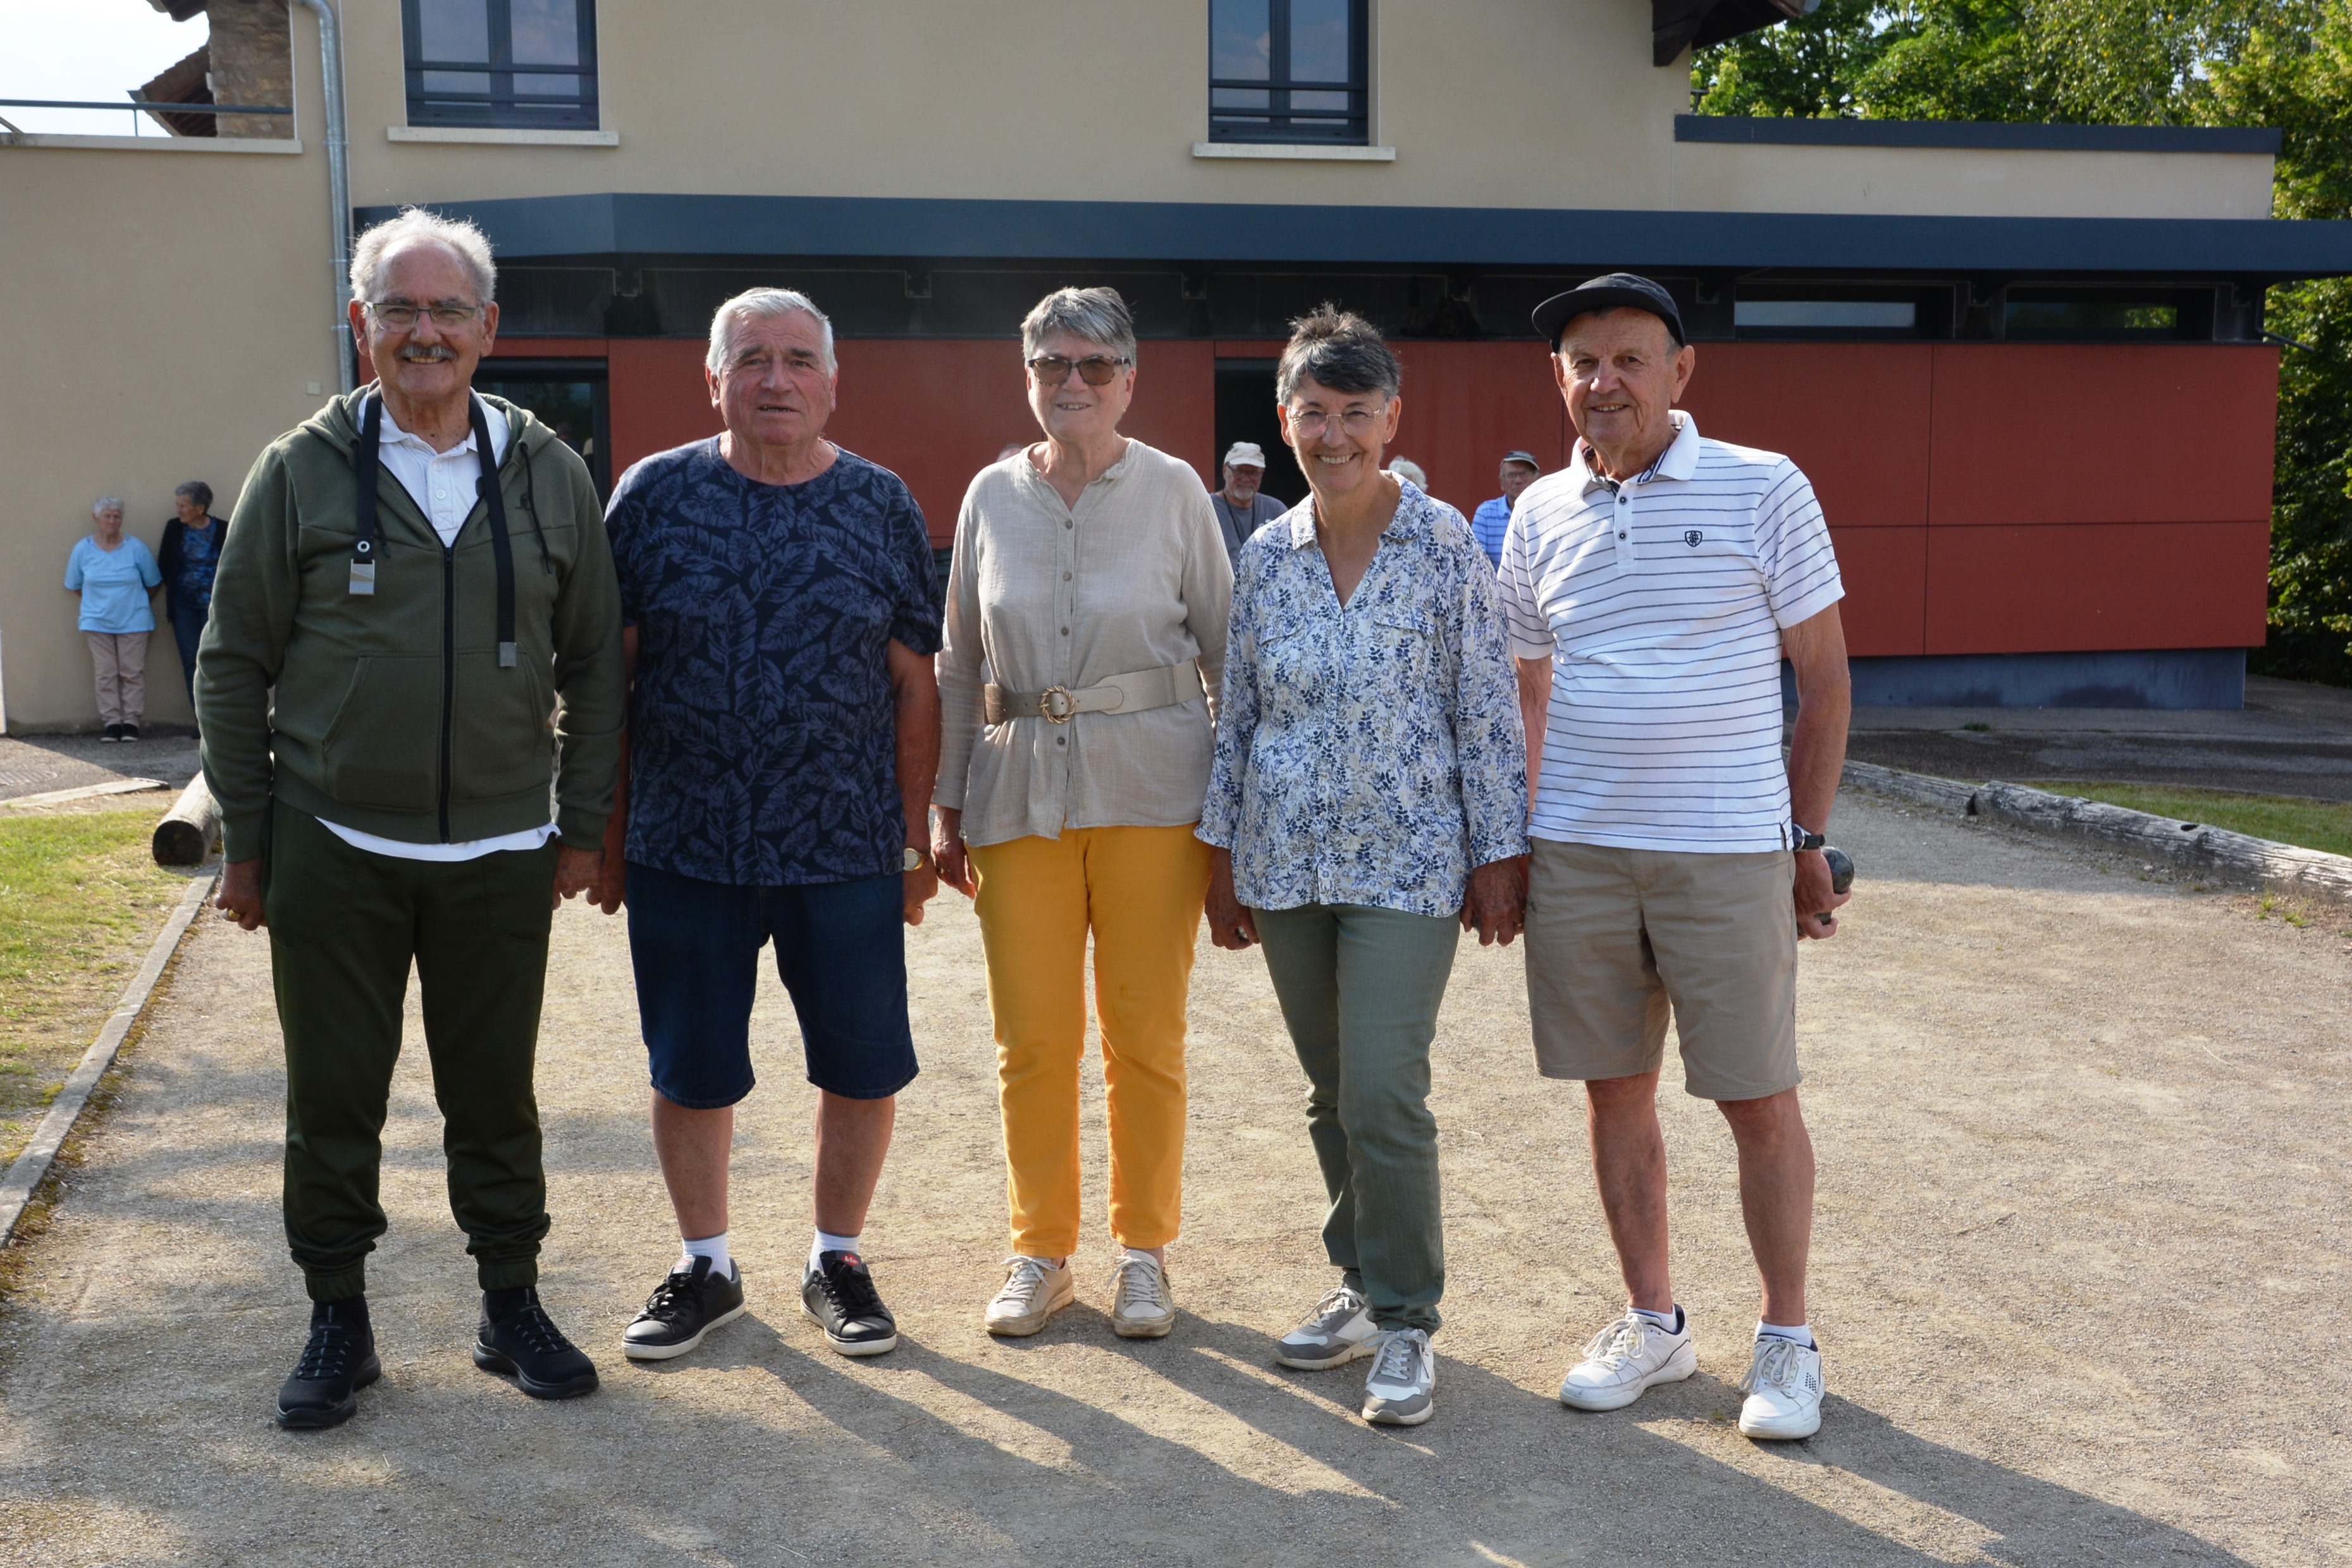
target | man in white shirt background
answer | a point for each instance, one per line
(1652, 586)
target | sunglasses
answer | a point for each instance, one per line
(1098, 370)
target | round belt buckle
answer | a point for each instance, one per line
(1056, 704)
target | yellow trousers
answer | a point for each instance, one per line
(1139, 890)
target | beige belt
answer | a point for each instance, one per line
(1136, 692)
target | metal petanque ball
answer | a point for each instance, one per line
(1841, 868)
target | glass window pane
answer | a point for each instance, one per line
(546, 32)
(1320, 41)
(566, 88)
(441, 83)
(1326, 100)
(1227, 99)
(455, 29)
(1841, 315)
(1240, 39)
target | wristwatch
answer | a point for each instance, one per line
(1801, 838)
(914, 858)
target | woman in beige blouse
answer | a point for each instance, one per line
(1086, 636)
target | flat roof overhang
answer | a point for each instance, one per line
(711, 228)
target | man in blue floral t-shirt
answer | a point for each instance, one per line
(780, 616)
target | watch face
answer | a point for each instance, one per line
(913, 859)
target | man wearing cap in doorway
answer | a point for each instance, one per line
(1242, 506)
(1651, 587)
(1488, 523)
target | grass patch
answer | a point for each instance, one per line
(2313, 824)
(80, 899)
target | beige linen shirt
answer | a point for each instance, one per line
(1133, 577)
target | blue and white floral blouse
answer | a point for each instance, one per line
(1367, 753)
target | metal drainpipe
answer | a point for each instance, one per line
(339, 180)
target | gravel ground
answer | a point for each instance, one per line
(2079, 1277)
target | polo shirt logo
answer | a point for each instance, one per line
(1693, 538)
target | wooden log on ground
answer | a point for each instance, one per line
(188, 831)
(2287, 867)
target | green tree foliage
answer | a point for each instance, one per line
(2283, 63)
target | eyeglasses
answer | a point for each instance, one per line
(1098, 369)
(1310, 423)
(401, 314)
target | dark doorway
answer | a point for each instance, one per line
(1246, 412)
(568, 397)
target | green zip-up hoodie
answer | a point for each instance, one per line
(391, 714)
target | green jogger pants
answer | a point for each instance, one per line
(344, 926)
(1360, 989)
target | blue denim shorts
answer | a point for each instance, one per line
(841, 951)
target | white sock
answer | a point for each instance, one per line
(826, 1242)
(711, 1247)
(1801, 1332)
(1672, 1323)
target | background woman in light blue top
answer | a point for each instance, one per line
(117, 578)
(1368, 801)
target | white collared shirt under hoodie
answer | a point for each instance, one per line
(445, 485)
(1661, 602)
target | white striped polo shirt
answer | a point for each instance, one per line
(1661, 602)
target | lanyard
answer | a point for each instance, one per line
(364, 541)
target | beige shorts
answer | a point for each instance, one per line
(1615, 936)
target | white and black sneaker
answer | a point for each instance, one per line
(1338, 1331)
(1401, 1390)
(1784, 1390)
(839, 1295)
(1627, 1357)
(687, 1305)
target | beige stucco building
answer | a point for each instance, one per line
(1895, 305)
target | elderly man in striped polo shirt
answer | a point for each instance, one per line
(1652, 586)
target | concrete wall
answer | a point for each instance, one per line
(1505, 103)
(167, 313)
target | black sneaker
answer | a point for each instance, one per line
(129, 731)
(839, 1294)
(687, 1305)
(113, 733)
(527, 1346)
(338, 1361)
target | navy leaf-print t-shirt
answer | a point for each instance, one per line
(761, 731)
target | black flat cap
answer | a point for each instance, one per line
(1608, 292)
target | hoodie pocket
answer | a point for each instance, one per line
(382, 748)
(502, 731)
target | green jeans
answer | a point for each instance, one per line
(345, 926)
(1359, 988)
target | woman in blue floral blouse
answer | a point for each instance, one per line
(1368, 803)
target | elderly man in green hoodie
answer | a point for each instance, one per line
(410, 692)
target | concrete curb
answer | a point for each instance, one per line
(87, 792)
(17, 1187)
(2286, 868)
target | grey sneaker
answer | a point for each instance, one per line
(1625, 1359)
(1337, 1332)
(1033, 1291)
(1403, 1379)
(1141, 1307)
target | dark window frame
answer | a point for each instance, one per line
(1278, 121)
(497, 106)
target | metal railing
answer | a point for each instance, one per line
(137, 107)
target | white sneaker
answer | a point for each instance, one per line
(1784, 1391)
(1139, 1303)
(1403, 1380)
(1624, 1359)
(1033, 1291)
(1337, 1332)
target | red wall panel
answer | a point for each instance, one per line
(1886, 576)
(1465, 405)
(654, 397)
(2079, 588)
(2102, 433)
(1853, 416)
